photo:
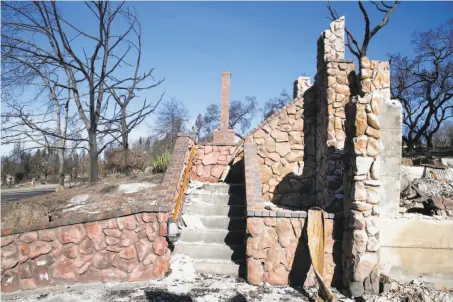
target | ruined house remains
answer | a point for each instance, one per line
(336, 146)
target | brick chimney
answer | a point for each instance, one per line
(224, 135)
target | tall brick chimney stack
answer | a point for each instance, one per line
(224, 135)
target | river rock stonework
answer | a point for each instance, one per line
(280, 141)
(336, 79)
(362, 180)
(128, 248)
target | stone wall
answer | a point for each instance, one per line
(333, 40)
(125, 245)
(280, 148)
(300, 147)
(335, 81)
(362, 180)
(128, 248)
(277, 252)
(210, 161)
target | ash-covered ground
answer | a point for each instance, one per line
(184, 284)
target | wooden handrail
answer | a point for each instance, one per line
(184, 183)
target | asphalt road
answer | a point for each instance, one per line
(12, 194)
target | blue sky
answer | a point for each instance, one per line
(265, 45)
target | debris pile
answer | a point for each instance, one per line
(431, 194)
(414, 291)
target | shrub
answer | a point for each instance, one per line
(161, 162)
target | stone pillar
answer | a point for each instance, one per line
(335, 80)
(362, 180)
(300, 86)
(391, 138)
(224, 135)
(331, 42)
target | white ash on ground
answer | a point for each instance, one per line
(414, 291)
(184, 284)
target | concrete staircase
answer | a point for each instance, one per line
(214, 232)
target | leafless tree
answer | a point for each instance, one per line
(89, 58)
(124, 91)
(444, 137)
(241, 115)
(424, 84)
(171, 119)
(276, 103)
(48, 128)
(198, 127)
(360, 50)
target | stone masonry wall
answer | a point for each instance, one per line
(362, 181)
(210, 161)
(277, 252)
(280, 146)
(335, 82)
(128, 248)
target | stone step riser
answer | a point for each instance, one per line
(221, 199)
(219, 237)
(219, 210)
(205, 251)
(224, 188)
(223, 223)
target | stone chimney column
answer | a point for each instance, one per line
(224, 135)
(300, 86)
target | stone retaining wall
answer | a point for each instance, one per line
(129, 245)
(277, 252)
(128, 248)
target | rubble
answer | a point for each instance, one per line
(414, 291)
(428, 196)
(431, 187)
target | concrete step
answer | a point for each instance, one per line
(232, 189)
(213, 236)
(218, 198)
(223, 222)
(214, 209)
(210, 251)
(227, 268)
